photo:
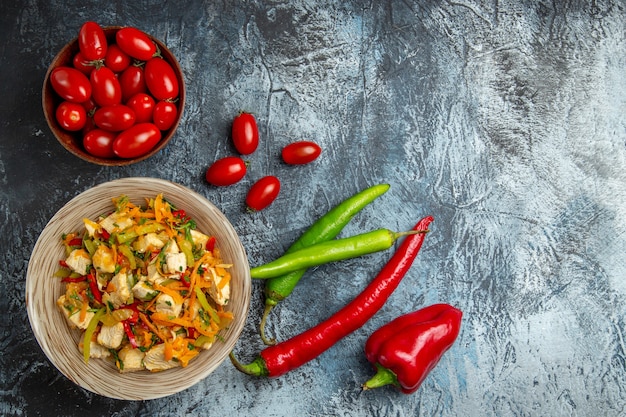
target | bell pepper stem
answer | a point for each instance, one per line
(255, 368)
(382, 377)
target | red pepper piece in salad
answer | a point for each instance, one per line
(405, 350)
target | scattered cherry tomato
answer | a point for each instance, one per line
(263, 193)
(71, 84)
(99, 142)
(92, 41)
(302, 152)
(226, 171)
(161, 79)
(132, 81)
(82, 64)
(143, 106)
(106, 89)
(137, 140)
(245, 133)
(114, 118)
(71, 116)
(135, 43)
(164, 114)
(116, 59)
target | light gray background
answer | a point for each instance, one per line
(504, 120)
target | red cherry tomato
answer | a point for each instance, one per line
(92, 41)
(135, 43)
(226, 171)
(263, 193)
(301, 152)
(106, 89)
(245, 133)
(71, 84)
(114, 118)
(161, 79)
(116, 59)
(137, 140)
(143, 106)
(71, 116)
(164, 114)
(82, 64)
(99, 142)
(133, 81)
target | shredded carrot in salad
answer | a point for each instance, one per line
(147, 289)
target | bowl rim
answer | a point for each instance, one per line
(48, 98)
(67, 359)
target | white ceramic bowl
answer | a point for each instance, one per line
(60, 343)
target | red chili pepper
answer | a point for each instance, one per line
(74, 279)
(63, 264)
(281, 358)
(210, 244)
(105, 235)
(93, 286)
(129, 333)
(407, 348)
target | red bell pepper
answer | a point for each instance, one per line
(406, 349)
(93, 286)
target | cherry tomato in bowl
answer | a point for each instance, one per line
(161, 79)
(99, 143)
(226, 171)
(245, 133)
(263, 193)
(164, 114)
(135, 43)
(71, 116)
(92, 41)
(136, 141)
(70, 84)
(301, 152)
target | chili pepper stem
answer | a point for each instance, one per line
(382, 377)
(266, 312)
(254, 368)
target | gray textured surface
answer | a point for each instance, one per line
(504, 120)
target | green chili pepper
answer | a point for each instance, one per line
(325, 228)
(330, 251)
(91, 328)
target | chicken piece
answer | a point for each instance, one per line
(79, 261)
(165, 304)
(115, 222)
(91, 226)
(199, 239)
(154, 276)
(73, 315)
(111, 336)
(144, 291)
(104, 259)
(175, 263)
(131, 359)
(154, 360)
(96, 350)
(148, 243)
(119, 292)
(219, 295)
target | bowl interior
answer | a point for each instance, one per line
(72, 141)
(60, 343)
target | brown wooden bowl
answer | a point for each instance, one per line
(72, 141)
(60, 343)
